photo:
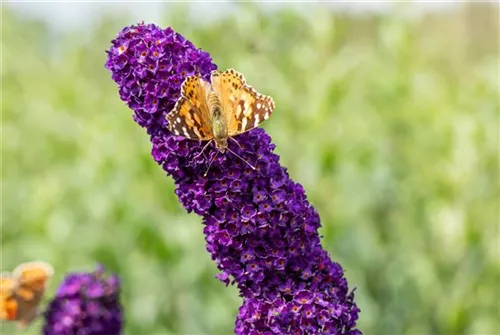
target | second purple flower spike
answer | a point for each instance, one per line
(85, 303)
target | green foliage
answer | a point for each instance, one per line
(391, 125)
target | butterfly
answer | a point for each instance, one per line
(22, 290)
(225, 108)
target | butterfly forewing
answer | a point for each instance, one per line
(251, 109)
(191, 117)
(227, 85)
(244, 107)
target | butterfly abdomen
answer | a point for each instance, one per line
(213, 101)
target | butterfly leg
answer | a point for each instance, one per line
(238, 143)
(210, 164)
(202, 150)
(234, 153)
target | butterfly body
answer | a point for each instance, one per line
(219, 122)
(216, 111)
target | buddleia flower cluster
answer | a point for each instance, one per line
(85, 303)
(259, 228)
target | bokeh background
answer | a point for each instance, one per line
(388, 115)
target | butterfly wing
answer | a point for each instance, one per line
(31, 279)
(8, 303)
(252, 108)
(227, 85)
(245, 108)
(190, 116)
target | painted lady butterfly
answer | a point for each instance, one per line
(22, 290)
(218, 111)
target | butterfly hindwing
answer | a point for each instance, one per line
(190, 117)
(31, 279)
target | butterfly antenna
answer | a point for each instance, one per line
(210, 164)
(234, 153)
(202, 150)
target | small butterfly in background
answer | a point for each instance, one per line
(22, 290)
(218, 111)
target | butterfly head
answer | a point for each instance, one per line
(221, 144)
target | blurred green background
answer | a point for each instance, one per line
(388, 118)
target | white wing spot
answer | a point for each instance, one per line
(178, 120)
(247, 111)
(184, 130)
(244, 123)
(176, 132)
(257, 119)
(266, 116)
(258, 105)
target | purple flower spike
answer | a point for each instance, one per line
(259, 227)
(85, 303)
